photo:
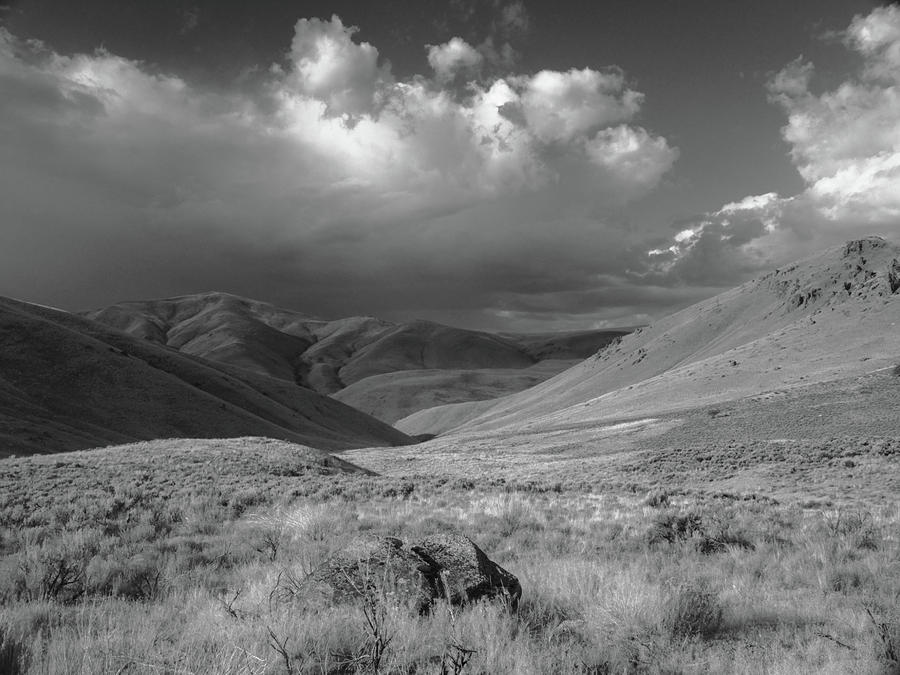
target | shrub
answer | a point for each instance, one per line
(887, 640)
(718, 543)
(691, 609)
(720, 537)
(243, 500)
(41, 574)
(672, 527)
(13, 653)
(858, 528)
(847, 578)
(657, 498)
(135, 578)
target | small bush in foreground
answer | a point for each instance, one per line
(847, 578)
(13, 655)
(691, 609)
(657, 499)
(887, 640)
(672, 527)
(721, 537)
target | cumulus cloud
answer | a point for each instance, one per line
(720, 247)
(335, 188)
(330, 67)
(559, 106)
(844, 142)
(452, 57)
(632, 158)
(877, 37)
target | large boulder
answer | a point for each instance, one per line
(442, 566)
(466, 573)
(373, 566)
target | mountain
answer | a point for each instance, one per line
(219, 327)
(392, 396)
(69, 383)
(832, 316)
(388, 369)
(323, 355)
(566, 345)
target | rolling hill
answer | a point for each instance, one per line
(322, 355)
(832, 316)
(392, 396)
(389, 370)
(68, 383)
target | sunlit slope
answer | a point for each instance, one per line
(384, 368)
(219, 327)
(832, 315)
(392, 396)
(323, 355)
(69, 383)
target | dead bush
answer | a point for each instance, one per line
(886, 639)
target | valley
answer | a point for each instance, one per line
(713, 493)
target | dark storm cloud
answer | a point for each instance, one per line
(337, 186)
(338, 189)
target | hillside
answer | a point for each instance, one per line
(330, 356)
(323, 355)
(831, 316)
(566, 345)
(392, 396)
(67, 383)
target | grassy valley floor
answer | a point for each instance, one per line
(178, 557)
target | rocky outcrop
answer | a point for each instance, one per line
(467, 574)
(858, 247)
(894, 276)
(444, 566)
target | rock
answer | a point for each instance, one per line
(856, 247)
(378, 565)
(467, 573)
(439, 566)
(894, 276)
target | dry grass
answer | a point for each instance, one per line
(110, 565)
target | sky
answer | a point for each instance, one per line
(496, 164)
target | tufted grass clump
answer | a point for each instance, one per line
(691, 609)
(657, 498)
(886, 639)
(13, 653)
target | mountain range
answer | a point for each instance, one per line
(388, 370)
(216, 366)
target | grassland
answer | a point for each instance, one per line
(169, 557)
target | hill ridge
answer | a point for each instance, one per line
(332, 356)
(69, 383)
(797, 323)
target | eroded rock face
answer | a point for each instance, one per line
(442, 566)
(856, 247)
(894, 276)
(467, 574)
